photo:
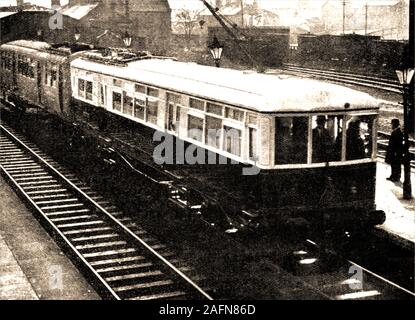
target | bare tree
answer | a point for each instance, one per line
(186, 21)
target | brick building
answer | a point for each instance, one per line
(99, 22)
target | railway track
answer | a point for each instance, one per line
(348, 281)
(121, 262)
(369, 81)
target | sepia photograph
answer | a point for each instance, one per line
(207, 155)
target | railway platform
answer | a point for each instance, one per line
(400, 213)
(32, 266)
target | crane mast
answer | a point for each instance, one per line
(233, 35)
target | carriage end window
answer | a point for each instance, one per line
(327, 138)
(291, 140)
(359, 141)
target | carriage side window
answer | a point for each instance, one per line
(50, 76)
(139, 108)
(234, 114)
(117, 82)
(102, 94)
(359, 137)
(128, 104)
(152, 92)
(253, 146)
(140, 89)
(116, 101)
(88, 90)
(291, 140)
(214, 108)
(232, 140)
(53, 78)
(30, 68)
(326, 138)
(252, 119)
(152, 111)
(195, 128)
(213, 131)
(4, 61)
(81, 88)
(197, 104)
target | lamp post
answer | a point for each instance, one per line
(216, 50)
(77, 34)
(127, 39)
(405, 77)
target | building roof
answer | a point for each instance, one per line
(79, 11)
(150, 5)
(253, 91)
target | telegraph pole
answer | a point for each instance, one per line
(344, 15)
(366, 7)
(242, 13)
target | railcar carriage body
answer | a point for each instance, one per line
(37, 74)
(311, 145)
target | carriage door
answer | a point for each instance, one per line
(173, 112)
(60, 88)
(39, 82)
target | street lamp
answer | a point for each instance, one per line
(77, 34)
(127, 39)
(405, 77)
(216, 50)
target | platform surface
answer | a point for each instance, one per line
(400, 213)
(32, 266)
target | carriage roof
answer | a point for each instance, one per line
(258, 92)
(35, 49)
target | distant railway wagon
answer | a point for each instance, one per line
(274, 145)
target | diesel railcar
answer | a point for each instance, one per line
(264, 146)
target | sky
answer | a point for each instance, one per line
(175, 4)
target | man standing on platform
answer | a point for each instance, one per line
(394, 151)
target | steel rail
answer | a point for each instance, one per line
(106, 213)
